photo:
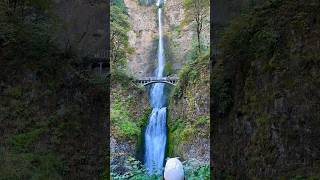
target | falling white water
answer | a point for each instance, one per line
(160, 46)
(155, 138)
(156, 131)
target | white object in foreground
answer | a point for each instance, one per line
(173, 169)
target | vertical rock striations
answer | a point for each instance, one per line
(142, 38)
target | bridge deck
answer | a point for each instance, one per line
(157, 78)
(150, 80)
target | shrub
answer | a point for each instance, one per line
(135, 171)
(194, 170)
(168, 70)
(121, 119)
(190, 73)
(22, 141)
(203, 120)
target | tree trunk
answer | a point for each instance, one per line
(198, 37)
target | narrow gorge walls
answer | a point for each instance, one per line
(163, 44)
(178, 37)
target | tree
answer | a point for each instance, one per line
(119, 40)
(196, 11)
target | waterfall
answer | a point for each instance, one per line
(156, 131)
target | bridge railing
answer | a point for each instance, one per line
(157, 79)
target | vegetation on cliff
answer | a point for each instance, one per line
(129, 115)
(127, 119)
(129, 103)
(49, 109)
(196, 11)
(189, 112)
(119, 28)
(264, 90)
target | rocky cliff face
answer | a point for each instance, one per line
(265, 97)
(180, 35)
(129, 115)
(53, 115)
(84, 26)
(144, 34)
(224, 11)
(142, 38)
(188, 121)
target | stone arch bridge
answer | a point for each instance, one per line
(145, 81)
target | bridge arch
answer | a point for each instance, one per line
(153, 82)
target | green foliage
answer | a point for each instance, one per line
(187, 132)
(46, 98)
(264, 43)
(22, 141)
(135, 171)
(179, 130)
(203, 120)
(31, 166)
(15, 92)
(304, 178)
(40, 4)
(222, 94)
(143, 120)
(121, 5)
(261, 120)
(194, 54)
(196, 11)
(183, 80)
(129, 128)
(120, 117)
(251, 45)
(183, 131)
(125, 95)
(168, 70)
(193, 78)
(119, 26)
(190, 73)
(175, 127)
(194, 170)
(178, 29)
(195, 8)
(120, 76)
